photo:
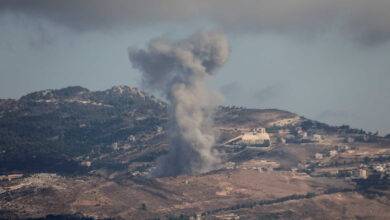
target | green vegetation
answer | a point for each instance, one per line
(48, 135)
(373, 185)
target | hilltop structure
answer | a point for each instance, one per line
(255, 136)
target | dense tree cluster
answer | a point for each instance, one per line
(47, 130)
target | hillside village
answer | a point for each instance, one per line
(340, 157)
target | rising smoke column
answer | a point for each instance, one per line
(179, 70)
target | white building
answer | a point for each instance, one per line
(350, 139)
(342, 148)
(379, 168)
(255, 136)
(318, 156)
(86, 163)
(114, 146)
(317, 137)
(363, 173)
(332, 153)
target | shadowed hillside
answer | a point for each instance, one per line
(47, 130)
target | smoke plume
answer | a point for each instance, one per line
(362, 20)
(179, 70)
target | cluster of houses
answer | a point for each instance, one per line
(331, 153)
(140, 173)
(298, 136)
(355, 173)
(363, 171)
(360, 172)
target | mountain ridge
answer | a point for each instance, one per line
(74, 127)
(92, 152)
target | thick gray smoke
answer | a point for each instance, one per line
(179, 70)
(363, 20)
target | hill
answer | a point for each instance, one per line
(74, 130)
(50, 130)
(75, 153)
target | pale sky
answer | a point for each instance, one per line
(328, 62)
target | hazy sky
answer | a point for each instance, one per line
(325, 60)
